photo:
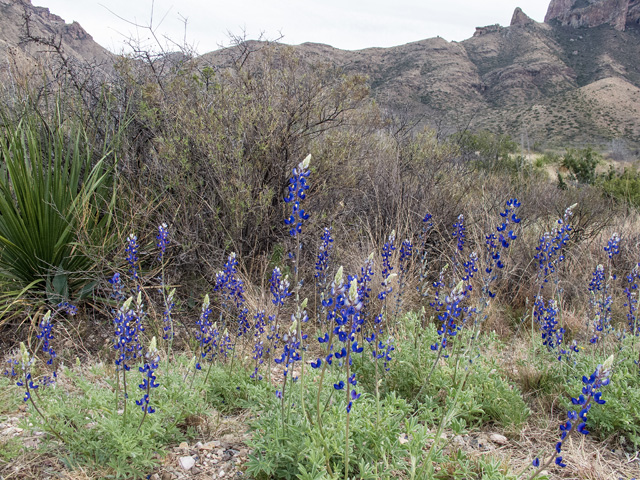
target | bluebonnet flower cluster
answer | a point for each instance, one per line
(162, 240)
(258, 347)
(568, 353)
(132, 257)
(383, 352)
(322, 260)
(332, 303)
(613, 245)
(45, 334)
(167, 320)
(116, 287)
(292, 341)
(279, 287)
(438, 285)
(500, 241)
(348, 322)
(26, 361)
(152, 358)
(297, 192)
(578, 420)
(550, 247)
(459, 233)
(364, 286)
(631, 292)
(128, 327)
(549, 255)
(67, 308)
(10, 370)
(406, 251)
(552, 336)
(470, 268)
(600, 290)
(231, 290)
(451, 317)
(451, 312)
(387, 251)
(291, 348)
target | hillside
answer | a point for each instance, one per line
(542, 81)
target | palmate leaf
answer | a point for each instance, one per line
(51, 187)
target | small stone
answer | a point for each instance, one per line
(187, 463)
(198, 445)
(167, 476)
(155, 476)
(221, 474)
(458, 440)
(210, 445)
(499, 439)
(184, 445)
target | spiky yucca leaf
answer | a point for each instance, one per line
(51, 187)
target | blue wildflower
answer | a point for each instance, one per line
(297, 192)
(162, 239)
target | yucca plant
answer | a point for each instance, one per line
(52, 187)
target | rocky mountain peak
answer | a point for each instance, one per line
(520, 18)
(620, 14)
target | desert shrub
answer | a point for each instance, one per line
(582, 164)
(623, 186)
(487, 148)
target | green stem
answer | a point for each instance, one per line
(46, 421)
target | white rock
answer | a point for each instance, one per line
(187, 463)
(499, 439)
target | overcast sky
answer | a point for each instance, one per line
(346, 24)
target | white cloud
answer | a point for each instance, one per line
(347, 24)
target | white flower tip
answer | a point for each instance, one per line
(305, 163)
(127, 304)
(353, 291)
(608, 363)
(24, 353)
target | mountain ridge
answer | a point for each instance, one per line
(527, 78)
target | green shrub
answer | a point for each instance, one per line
(582, 164)
(624, 187)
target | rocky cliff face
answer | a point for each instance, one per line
(73, 40)
(591, 13)
(520, 18)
